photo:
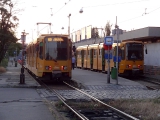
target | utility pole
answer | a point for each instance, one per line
(16, 53)
(22, 75)
(117, 32)
(69, 24)
(108, 74)
(16, 57)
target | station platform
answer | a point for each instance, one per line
(21, 101)
(89, 79)
(11, 78)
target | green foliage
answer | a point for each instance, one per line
(157, 100)
(8, 24)
(4, 63)
(108, 29)
(14, 47)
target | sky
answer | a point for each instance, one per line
(130, 14)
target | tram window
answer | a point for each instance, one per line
(37, 47)
(41, 50)
(91, 52)
(120, 53)
(70, 53)
(84, 52)
(95, 52)
(123, 53)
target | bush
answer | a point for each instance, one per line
(4, 63)
(2, 70)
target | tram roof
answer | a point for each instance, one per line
(65, 35)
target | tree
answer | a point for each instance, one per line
(14, 49)
(8, 24)
(108, 29)
(94, 32)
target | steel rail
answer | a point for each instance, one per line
(62, 99)
(81, 116)
(76, 112)
(121, 112)
(154, 82)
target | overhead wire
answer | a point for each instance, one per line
(55, 13)
(140, 15)
(90, 6)
(105, 5)
(127, 2)
(115, 3)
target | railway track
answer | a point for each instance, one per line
(98, 113)
(110, 112)
(103, 112)
(150, 83)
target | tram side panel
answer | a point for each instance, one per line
(85, 58)
(100, 57)
(88, 66)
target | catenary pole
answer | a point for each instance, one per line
(117, 32)
(108, 74)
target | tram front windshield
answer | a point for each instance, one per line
(56, 48)
(134, 51)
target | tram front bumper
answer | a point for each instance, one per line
(56, 74)
(137, 72)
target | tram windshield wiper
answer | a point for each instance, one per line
(54, 60)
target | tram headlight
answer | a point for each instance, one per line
(64, 67)
(139, 66)
(128, 66)
(48, 67)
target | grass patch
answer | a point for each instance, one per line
(79, 105)
(148, 109)
(144, 109)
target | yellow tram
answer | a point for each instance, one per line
(49, 57)
(93, 57)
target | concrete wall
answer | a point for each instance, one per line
(153, 56)
(152, 59)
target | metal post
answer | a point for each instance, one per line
(16, 54)
(108, 73)
(22, 75)
(69, 25)
(117, 32)
(16, 58)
